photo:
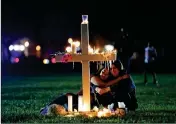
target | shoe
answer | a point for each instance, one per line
(156, 82)
(145, 82)
(44, 111)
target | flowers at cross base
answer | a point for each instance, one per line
(66, 58)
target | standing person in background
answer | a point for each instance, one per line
(126, 48)
(149, 63)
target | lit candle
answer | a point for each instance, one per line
(100, 113)
(70, 41)
(110, 62)
(80, 103)
(105, 64)
(73, 48)
(97, 65)
(70, 103)
(95, 109)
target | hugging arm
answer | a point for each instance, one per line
(98, 82)
(108, 86)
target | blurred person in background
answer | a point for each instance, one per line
(150, 63)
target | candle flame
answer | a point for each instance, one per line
(77, 43)
(68, 49)
(70, 40)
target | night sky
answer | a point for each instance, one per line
(56, 20)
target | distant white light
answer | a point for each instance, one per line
(45, 61)
(22, 47)
(26, 44)
(16, 47)
(11, 47)
(109, 47)
(121, 29)
(38, 48)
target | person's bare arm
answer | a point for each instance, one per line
(97, 81)
(115, 81)
(102, 90)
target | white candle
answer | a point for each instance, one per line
(73, 48)
(70, 102)
(73, 65)
(97, 65)
(80, 103)
(107, 63)
(110, 63)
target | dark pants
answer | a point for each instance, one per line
(133, 105)
(104, 99)
(129, 100)
(150, 68)
(123, 94)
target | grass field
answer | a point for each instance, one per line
(22, 98)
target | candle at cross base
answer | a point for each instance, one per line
(80, 103)
(70, 103)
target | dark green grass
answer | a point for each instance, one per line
(22, 99)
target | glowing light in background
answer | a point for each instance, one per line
(53, 60)
(26, 44)
(21, 47)
(16, 47)
(38, 48)
(77, 43)
(17, 60)
(38, 52)
(11, 47)
(90, 49)
(70, 40)
(45, 61)
(121, 29)
(109, 47)
(96, 51)
(68, 49)
(14, 60)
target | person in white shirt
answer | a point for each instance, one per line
(149, 63)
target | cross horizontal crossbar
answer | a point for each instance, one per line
(89, 57)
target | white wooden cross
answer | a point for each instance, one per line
(85, 58)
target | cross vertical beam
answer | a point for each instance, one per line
(85, 64)
(85, 58)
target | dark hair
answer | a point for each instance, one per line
(98, 72)
(118, 65)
